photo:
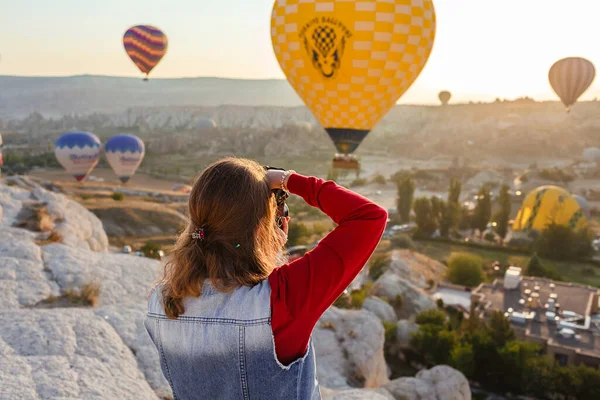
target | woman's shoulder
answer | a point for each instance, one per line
(155, 303)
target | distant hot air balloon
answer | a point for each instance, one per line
(146, 46)
(124, 154)
(445, 97)
(570, 78)
(78, 153)
(351, 61)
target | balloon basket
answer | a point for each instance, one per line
(346, 161)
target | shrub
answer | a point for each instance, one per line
(358, 182)
(343, 301)
(378, 264)
(490, 237)
(440, 304)
(90, 292)
(390, 331)
(358, 297)
(465, 269)
(402, 241)
(298, 234)
(431, 317)
(85, 196)
(151, 250)
(588, 271)
(379, 179)
(117, 196)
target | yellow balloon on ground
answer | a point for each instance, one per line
(547, 205)
(350, 61)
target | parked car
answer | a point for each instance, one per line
(126, 249)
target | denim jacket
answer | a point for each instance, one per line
(222, 347)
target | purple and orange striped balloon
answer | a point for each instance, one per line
(146, 46)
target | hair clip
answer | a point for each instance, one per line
(198, 234)
(237, 246)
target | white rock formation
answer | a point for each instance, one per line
(358, 394)
(380, 308)
(407, 276)
(440, 383)
(404, 331)
(349, 349)
(51, 354)
(77, 226)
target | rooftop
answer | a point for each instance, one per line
(570, 296)
(540, 296)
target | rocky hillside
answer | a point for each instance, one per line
(71, 318)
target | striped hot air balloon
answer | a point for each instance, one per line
(146, 46)
(570, 77)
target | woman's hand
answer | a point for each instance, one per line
(275, 176)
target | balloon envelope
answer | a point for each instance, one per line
(78, 153)
(546, 205)
(124, 154)
(145, 45)
(351, 61)
(585, 206)
(445, 97)
(570, 78)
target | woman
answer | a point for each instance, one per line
(227, 323)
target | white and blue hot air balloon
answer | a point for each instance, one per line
(78, 153)
(124, 154)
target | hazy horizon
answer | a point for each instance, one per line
(482, 51)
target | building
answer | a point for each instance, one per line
(453, 295)
(562, 317)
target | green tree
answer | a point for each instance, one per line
(535, 267)
(465, 269)
(406, 191)
(434, 343)
(503, 215)
(500, 330)
(431, 317)
(426, 222)
(483, 209)
(463, 360)
(560, 242)
(454, 191)
(437, 209)
(451, 214)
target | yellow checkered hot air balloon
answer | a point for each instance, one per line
(351, 61)
(549, 205)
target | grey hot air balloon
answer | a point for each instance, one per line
(570, 78)
(445, 97)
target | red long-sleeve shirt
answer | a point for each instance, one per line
(304, 289)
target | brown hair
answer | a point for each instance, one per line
(231, 200)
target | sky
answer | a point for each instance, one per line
(483, 48)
